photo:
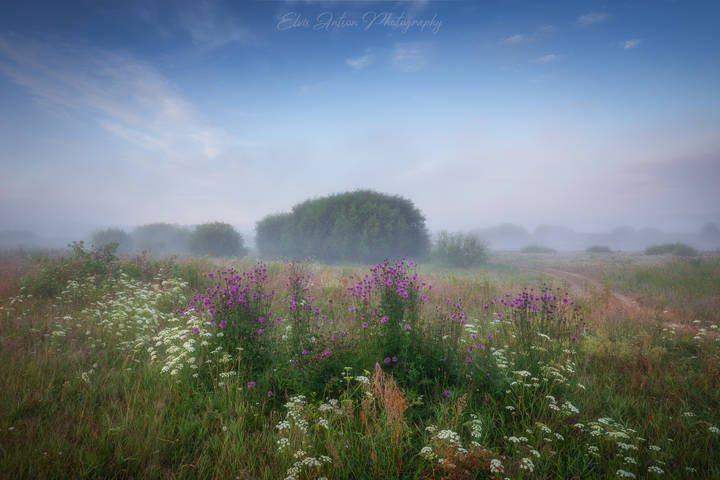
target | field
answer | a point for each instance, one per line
(532, 366)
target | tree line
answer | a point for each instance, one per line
(360, 226)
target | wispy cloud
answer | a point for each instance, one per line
(126, 97)
(591, 18)
(549, 58)
(205, 23)
(520, 38)
(209, 27)
(628, 44)
(410, 57)
(358, 63)
(515, 39)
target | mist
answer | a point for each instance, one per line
(564, 126)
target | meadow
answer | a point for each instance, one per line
(531, 366)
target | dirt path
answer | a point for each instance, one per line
(579, 285)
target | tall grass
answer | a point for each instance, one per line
(129, 375)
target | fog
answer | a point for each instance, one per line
(565, 125)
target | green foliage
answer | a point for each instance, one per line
(50, 277)
(146, 392)
(459, 249)
(598, 249)
(537, 249)
(113, 235)
(677, 249)
(161, 239)
(216, 239)
(362, 226)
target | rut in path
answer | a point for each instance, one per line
(579, 285)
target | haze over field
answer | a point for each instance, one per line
(589, 115)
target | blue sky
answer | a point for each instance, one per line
(586, 114)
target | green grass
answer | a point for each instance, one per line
(85, 394)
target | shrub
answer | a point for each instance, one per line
(52, 274)
(363, 226)
(677, 249)
(459, 249)
(598, 249)
(216, 239)
(537, 249)
(105, 237)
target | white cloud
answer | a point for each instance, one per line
(628, 44)
(591, 18)
(126, 97)
(549, 58)
(516, 39)
(358, 63)
(409, 57)
(520, 38)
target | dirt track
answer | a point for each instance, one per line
(579, 285)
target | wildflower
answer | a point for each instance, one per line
(527, 464)
(384, 319)
(394, 359)
(655, 469)
(407, 326)
(446, 393)
(364, 324)
(222, 323)
(427, 453)
(496, 466)
(251, 384)
(386, 360)
(625, 474)
(270, 393)
(573, 338)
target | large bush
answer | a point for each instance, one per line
(677, 249)
(161, 239)
(598, 249)
(459, 249)
(363, 226)
(105, 237)
(216, 239)
(537, 249)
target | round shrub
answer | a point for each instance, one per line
(363, 226)
(538, 249)
(216, 239)
(459, 249)
(598, 249)
(677, 249)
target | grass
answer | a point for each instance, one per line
(106, 380)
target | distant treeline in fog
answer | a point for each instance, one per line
(363, 226)
(514, 237)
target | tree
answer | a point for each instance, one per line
(271, 235)
(459, 249)
(363, 226)
(216, 239)
(102, 238)
(161, 239)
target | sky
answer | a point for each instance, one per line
(579, 113)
